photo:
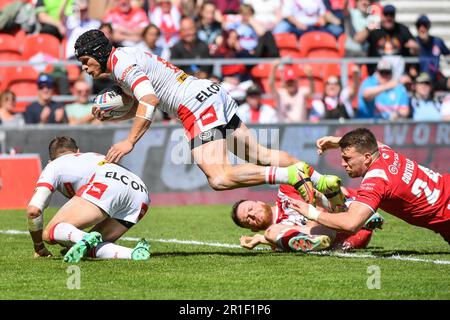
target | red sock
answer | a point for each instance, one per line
(346, 241)
(284, 237)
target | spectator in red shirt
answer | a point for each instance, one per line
(127, 22)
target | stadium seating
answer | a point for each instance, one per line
(287, 44)
(2, 78)
(303, 78)
(261, 72)
(341, 44)
(73, 72)
(315, 42)
(319, 44)
(22, 81)
(41, 43)
(9, 48)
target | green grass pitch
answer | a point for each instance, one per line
(197, 271)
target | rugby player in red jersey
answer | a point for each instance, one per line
(391, 182)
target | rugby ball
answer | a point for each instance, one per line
(114, 102)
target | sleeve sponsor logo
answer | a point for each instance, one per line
(126, 71)
(367, 186)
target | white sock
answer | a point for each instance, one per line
(276, 175)
(109, 250)
(315, 177)
(66, 234)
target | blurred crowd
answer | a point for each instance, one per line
(278, 92)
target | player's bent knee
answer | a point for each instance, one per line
(46, 235)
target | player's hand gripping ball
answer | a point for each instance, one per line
(112, 103)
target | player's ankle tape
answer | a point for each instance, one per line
(301, 182)
(332, 194)
(88, 246)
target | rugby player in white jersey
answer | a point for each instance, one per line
(104, 195)
(208, 115)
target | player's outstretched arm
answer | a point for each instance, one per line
(249, 242)
(142, 121)
(327, 142)
(331, 142)
(350, 221)
(35, 219)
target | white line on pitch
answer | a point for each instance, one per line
(235, 246)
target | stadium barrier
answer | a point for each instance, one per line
(18, 176)
(162, 157)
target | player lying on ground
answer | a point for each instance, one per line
(391, 182)
(206, 111)
(287, 230)
(103, 195)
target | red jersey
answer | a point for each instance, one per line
(409, 191)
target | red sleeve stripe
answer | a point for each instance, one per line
(45, 184)
(272, 172)
(143, 78)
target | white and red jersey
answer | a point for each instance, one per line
(68, 173)
(199, 104)
(284, 214)
(407, 190)
(288, 216)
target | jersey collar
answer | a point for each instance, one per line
(109, 65)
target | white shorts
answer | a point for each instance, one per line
(118, 192)
(207, 106)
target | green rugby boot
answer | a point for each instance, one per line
(330, 187)
(307, 243)
(375, 221)
(79, 249)
(299, 177)
(141, 251)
